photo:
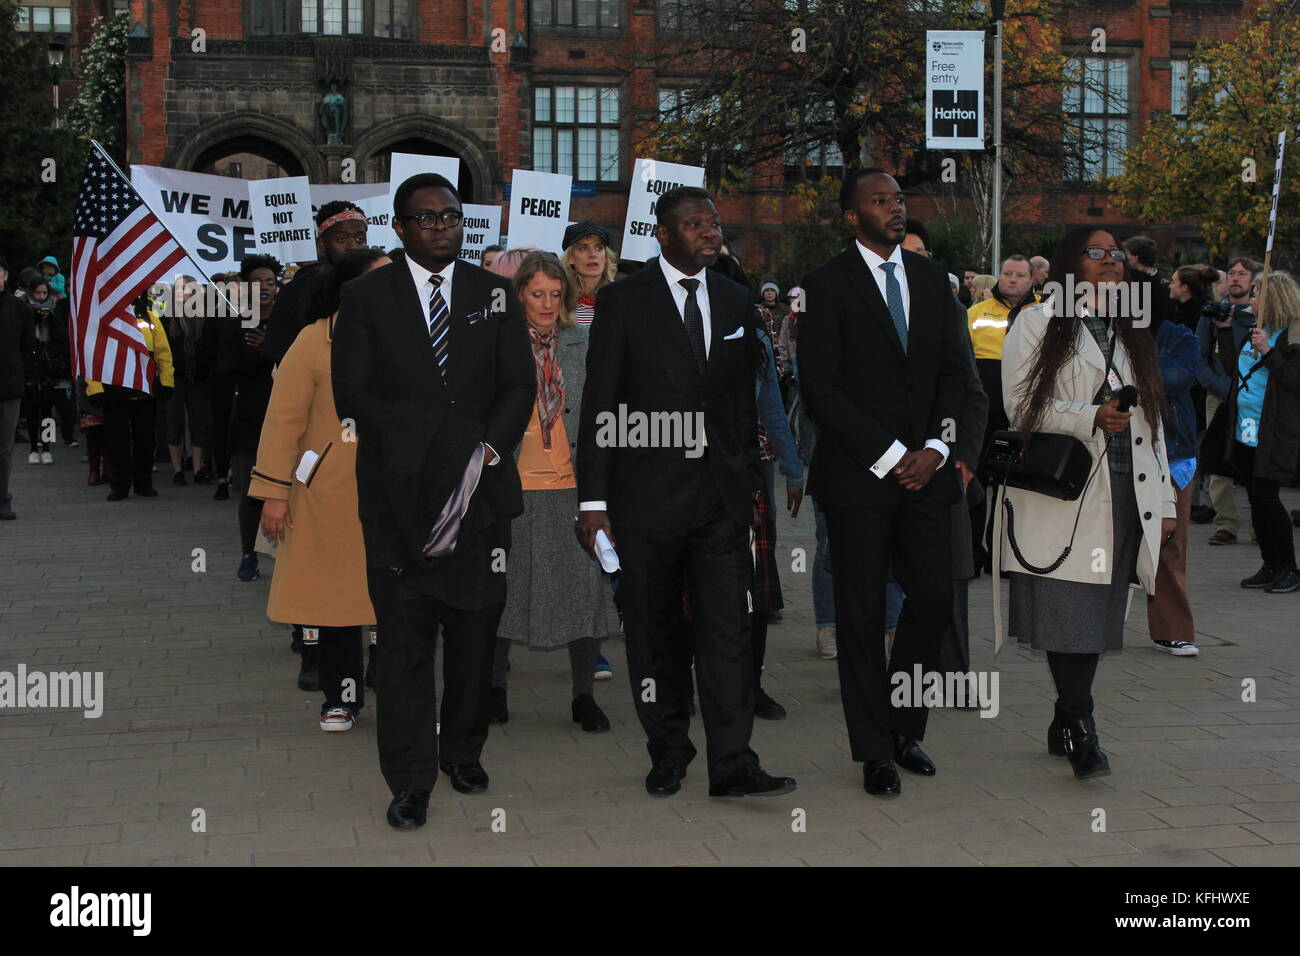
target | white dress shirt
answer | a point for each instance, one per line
(679, 294)
(885, 464)
(424, 289)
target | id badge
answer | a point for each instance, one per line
(1113, 380)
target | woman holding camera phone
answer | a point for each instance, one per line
(1063, 362)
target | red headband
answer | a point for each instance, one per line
(346, 215)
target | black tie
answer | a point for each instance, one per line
(694, 323)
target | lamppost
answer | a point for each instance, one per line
(56, 59)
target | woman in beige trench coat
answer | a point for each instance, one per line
(311, 508)
(1057, 379)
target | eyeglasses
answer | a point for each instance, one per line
(449, 218)
(1097, 252)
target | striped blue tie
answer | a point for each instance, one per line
(439, 324)
(894, 299)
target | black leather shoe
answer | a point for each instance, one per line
(753, 783)
(1261, 578)
(665, 779)
(909, 755)
(150, 492)
(409, 810)
(466, 777)
(1056, 733)
(587, 713)
(766, 707)
(880, 779)
(497, 711)
(1084, 749)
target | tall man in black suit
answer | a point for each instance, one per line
(883, 363)
(675, 338)
(430, 353)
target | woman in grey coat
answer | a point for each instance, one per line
(555, 596)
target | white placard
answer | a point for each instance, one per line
(373, 200)
(650, 180)
(209, 216)
(402, 166)
(482, 228)
(954, 89)
(282, 218)
(539, 209)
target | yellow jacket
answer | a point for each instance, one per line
(987, 323)
(155, 340)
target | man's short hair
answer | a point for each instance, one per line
(1017, 257)
(416, 182)
(851, 180)
(333, 208)
(1250, 264)
(259, 261)
(1143, 249)
(669, 201)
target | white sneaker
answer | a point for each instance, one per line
(34, 458)
(336, 719)
(826, 642)
(1177, 648)
(47, 458)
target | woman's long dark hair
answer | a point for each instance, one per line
(1057, 344)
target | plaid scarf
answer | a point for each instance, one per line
(550, 380)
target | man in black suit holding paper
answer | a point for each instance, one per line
(431, 358)
(675, 343)
(883, 369)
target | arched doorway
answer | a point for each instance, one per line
(250, 145)
(377, 165)
(248, 157)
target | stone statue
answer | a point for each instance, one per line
(334, 115)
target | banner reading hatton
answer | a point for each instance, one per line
(954, 89)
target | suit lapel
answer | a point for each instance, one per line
(864, 283)
(921, 306)
(663, 306)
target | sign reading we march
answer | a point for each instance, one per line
(954, 89)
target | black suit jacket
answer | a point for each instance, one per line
(387, 382)
(639, 357)
(864, 393)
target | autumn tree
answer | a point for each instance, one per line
(1215, 165)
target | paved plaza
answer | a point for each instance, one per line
(203, 729)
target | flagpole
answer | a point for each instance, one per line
(207, 280)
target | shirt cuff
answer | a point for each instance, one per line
(592, 506)
(489, 450)
(889, 459)
(940, 447)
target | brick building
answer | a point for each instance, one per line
(547, 85)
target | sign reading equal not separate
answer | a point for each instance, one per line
(650, 180)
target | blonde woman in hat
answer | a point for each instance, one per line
(592, 263)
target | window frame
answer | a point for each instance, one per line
(1081, 121)
(546, 129)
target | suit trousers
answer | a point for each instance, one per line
(129, 435)
(406, 686)
(712, 556)
(1169, 612)
(914, 537)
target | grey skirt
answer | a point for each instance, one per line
(555, 593)
(1071, 617)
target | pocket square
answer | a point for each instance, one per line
(478, 316)
(740, 330)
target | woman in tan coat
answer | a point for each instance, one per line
(306, 474)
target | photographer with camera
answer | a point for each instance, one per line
(1217, 374)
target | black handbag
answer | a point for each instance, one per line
(1055, 465)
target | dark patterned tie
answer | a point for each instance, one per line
(894, 299)
(439, 325)
(694, 323)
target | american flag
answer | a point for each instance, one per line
(119, 249)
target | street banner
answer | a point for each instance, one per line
(539, 209)
(954, 89)
(373, 199)
(282, 218)
(482, 228)
(208, 215)
(650, 180)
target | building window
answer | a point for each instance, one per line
(1183, 80)
(380, 18)
(48, 18)
(584, 14)
(680, 15)
(683, 105)
(1096, 118)
(576, 131)
(819, 159)
(272, 17)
